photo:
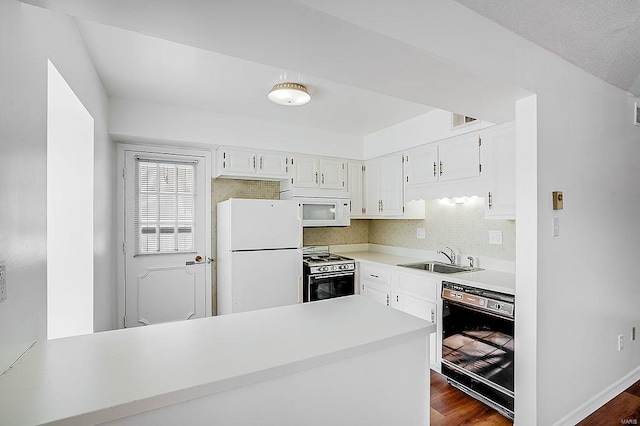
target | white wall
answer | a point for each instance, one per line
(28, 37)
(133, 121)
(432, 126)
(70, 143)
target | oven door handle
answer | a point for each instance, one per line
(331, 275)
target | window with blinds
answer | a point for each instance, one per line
(164, 207)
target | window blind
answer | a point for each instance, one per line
(164, 206)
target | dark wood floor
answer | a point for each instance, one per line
(451, 407)
(621, 410)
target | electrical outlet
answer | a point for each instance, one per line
(3, 282)
(420, 233)
(495, 237)
(620, 342)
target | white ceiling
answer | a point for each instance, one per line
(600, 36)
(224, 55)
(145, 68)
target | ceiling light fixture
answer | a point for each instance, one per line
(289, 94)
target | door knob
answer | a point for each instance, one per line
(198, 261)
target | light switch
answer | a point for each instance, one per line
(420, 233)
(556, 226)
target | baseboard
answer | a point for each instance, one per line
(600, 399)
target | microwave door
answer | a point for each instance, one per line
(319, 212)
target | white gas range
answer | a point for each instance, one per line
(326, 275)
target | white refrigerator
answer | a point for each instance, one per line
(259, 256)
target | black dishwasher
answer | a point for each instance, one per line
(478, 344)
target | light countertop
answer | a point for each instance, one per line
(504, 282)
(105, 376)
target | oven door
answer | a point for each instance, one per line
(328, 286)
(478, 352)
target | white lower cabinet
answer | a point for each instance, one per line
(413, 293)
(375, 282)
(417, 295)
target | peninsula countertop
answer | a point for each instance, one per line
(105, 376)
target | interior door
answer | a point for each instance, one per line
(167, 276)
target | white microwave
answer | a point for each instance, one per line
(324, 211)
(321, 207)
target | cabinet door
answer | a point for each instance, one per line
(499, 153)
(331, 174)
(377, 292)
(422, 309)
(391, 184)
(354, 186)
(421, 165)
(238, 162)
(372, 192)
(272, 164)
(305, 172)
(459, 158)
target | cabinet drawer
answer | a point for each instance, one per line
(376, 274)
(417, 286)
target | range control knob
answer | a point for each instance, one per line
(498, 306)
(324, 268)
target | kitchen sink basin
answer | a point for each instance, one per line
(439, 267)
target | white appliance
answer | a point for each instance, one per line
(330, 210)
(259, 259)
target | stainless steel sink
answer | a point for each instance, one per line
(439, 267)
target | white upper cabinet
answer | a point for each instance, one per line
(447, 168)
(447, 160)
(250, 164)
(421, 165)
(332, 174)
(383, 186)
(355, 188)
(459, 157)
(314, 172)
(499, 146)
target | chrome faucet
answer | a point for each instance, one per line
(471, 261)
(451, 256)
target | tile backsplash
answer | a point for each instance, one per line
(357, 233)
(462, 227)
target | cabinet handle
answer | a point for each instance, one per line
(374, 276)
(254, 162)
(441, 168)
(323, 178)
(387, 300)
(382, 205)
(434, 168)
(433, 316)
(397, 298)
(362, 287)
(407, 179)
(490, 200)
(316, 177)
(261, 162)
